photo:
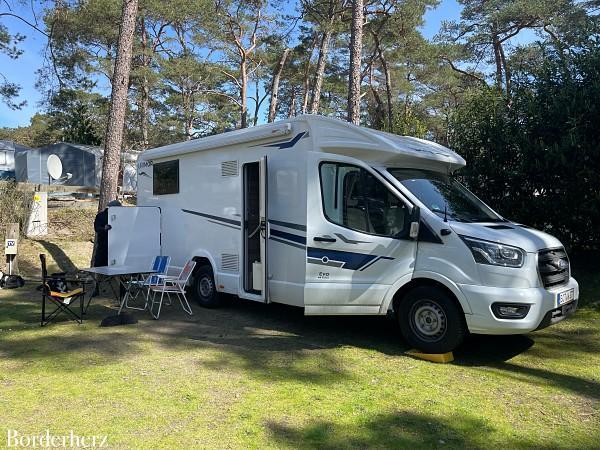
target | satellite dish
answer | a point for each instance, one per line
(55, 167)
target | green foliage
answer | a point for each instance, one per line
(78, 116)
(37, 134)
(536, 156)
(14, 206)
(407, 122)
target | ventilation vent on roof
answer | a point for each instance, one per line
(229, 169)
(230, 262)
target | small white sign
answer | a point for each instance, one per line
(10, 246)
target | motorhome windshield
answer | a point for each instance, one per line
(445, 196)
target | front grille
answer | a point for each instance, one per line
(553, 265)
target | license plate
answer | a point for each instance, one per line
(565, 297)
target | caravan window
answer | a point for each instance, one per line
(166, 177)
(355, 199)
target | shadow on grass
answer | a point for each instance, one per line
(495, 352)
(60, 257)
(397, 430)
(278, 342)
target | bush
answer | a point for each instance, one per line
(536, 156)
(14, 207)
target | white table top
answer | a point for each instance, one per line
(119, 270)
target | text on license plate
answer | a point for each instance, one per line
(565, 297)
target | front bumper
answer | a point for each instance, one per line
(544, 310)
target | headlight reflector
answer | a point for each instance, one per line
(492, 253)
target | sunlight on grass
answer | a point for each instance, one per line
(250, 376)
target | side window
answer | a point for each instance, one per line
(165, 177)
(355, 199)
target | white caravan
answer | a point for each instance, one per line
(344, 220)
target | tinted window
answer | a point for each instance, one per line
(355, 199)
(445, 196)
(166, 177)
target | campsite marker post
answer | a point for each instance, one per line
(11, 244)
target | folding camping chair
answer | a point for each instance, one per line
(172, 285)
(160, 266)
(52, 285)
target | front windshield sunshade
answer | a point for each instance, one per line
(445, 196)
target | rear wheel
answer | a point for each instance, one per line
(430, 320)
(204, 289)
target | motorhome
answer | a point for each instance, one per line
(344, 220)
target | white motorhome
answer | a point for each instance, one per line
(339, 220)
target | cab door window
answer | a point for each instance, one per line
(355, 199)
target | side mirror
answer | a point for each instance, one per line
(415, 219)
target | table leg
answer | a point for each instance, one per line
(124, 299)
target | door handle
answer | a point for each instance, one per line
(324, 239)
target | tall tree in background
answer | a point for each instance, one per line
(275, 85)
(118, 105)
(238, 29)
(326, 14)
(355, 77)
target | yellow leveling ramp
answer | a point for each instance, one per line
(433, 357)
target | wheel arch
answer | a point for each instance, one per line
(398, 291)
(202, 257)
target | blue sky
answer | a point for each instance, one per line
(23, 70)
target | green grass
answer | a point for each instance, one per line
(255, 376)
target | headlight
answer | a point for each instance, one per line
(486, 252)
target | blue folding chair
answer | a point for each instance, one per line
(160, 266)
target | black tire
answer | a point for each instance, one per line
(204, 289)
(430, 320)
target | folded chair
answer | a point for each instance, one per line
(56, 291)
(160, 266)
(172, 285)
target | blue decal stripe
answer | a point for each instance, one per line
(288, 236)
(288, 144)
(295, 226)
(353, 261)
(302, 247)
(217, 218)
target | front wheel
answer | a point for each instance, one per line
(204, 290)
(430, 320)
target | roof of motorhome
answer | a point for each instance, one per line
(328, 135)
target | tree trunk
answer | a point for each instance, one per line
(275, 85)
(188, 115)
(292, 110)
(356, 33)
(506, 70)
(318, 83)
(244, 94)
(388, 83)
(498, 60)
(145, 103)
(306, 80)
(118, 105)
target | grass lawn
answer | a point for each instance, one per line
(256, 376)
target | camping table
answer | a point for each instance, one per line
(125, 274)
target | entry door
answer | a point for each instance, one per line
(254, 229)
(358, 241)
